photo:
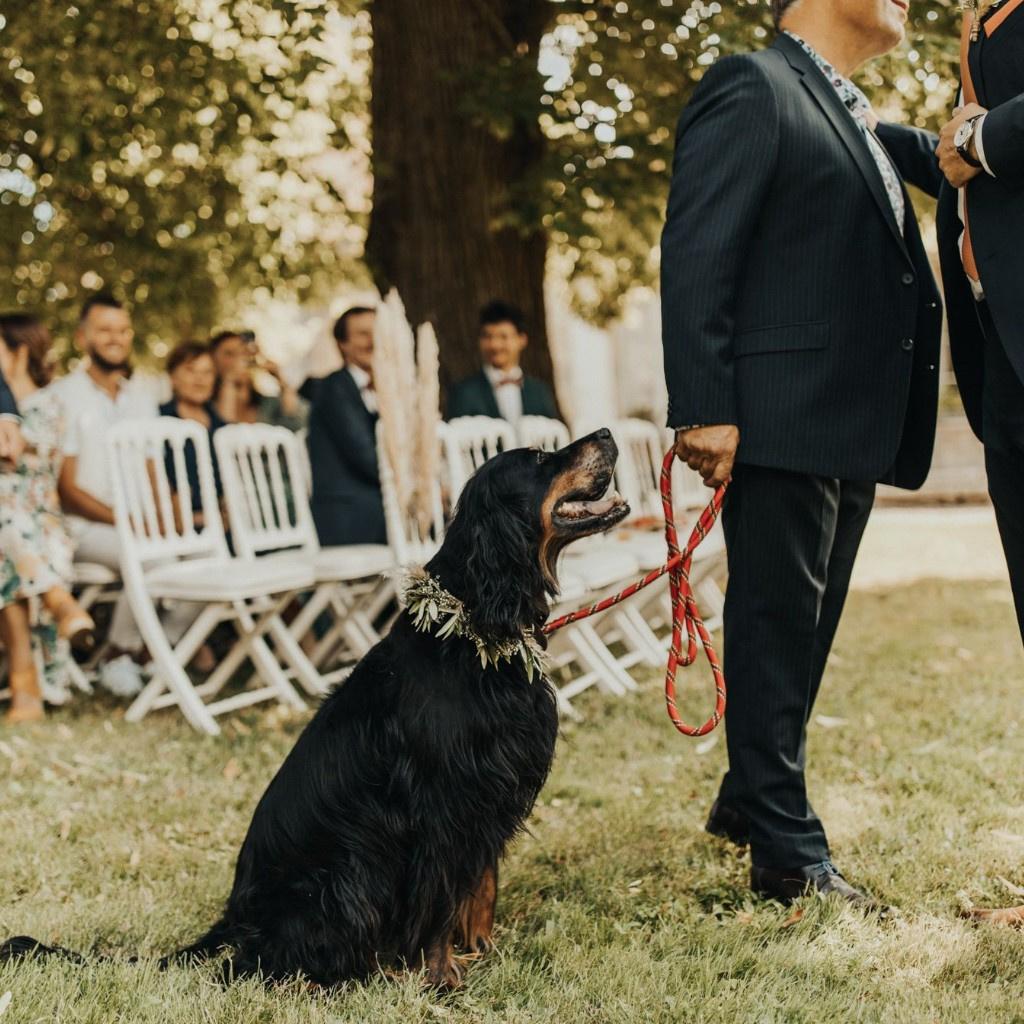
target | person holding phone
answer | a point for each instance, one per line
(238, 400)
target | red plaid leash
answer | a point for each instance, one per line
(685, 612)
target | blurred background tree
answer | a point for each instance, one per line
(187, 153)
(168, 152)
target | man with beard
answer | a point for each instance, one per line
(801, 328)
(95, 397)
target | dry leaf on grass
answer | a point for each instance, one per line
(793, 918)
(65, 827)
(1008, 837)
(707, 745)
(135, 859)
(1016, 890)
(232, 769)
(829, 722)
(5, 1001)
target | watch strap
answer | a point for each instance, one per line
(965, 148)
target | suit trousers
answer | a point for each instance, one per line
(791, 540)
(1003, 430)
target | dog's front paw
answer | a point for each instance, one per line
(477, 943)
(443, 970)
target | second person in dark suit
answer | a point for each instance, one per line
(978, 177)
(801, 328)
(501, 389)
(346, 501)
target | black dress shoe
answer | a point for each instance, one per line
(726, 822)
(788, 884)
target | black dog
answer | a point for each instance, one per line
(377, 842)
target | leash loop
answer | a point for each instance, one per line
(686, 615)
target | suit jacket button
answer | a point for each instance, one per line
(907, 278)
(907, 344)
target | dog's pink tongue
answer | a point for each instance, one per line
(599, 508)
(578, 509)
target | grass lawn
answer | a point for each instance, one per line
(120, 840)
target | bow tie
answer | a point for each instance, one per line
(502, 381)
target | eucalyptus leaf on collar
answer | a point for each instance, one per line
(434, 610)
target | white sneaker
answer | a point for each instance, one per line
(121, 676)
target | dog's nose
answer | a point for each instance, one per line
(603, 434)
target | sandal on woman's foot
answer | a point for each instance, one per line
(74, 623)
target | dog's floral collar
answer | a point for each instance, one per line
(434, 610)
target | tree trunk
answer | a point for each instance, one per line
(445, 179)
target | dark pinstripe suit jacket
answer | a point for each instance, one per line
(791, 305)
(996, 206)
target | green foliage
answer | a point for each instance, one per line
(186, 153)
(161, 149)
(621, 72)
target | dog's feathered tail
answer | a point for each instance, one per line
(24, 947)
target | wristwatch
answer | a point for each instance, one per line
(962, 140)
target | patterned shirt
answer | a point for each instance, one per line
(859, 107)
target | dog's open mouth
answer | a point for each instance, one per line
(583, 512)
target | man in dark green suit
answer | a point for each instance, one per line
(501, 389)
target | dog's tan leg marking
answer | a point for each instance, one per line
(476, 918)
(443, 971)
(1012, 917)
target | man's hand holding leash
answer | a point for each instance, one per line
(711, 451)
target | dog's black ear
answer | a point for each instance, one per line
(504, 587)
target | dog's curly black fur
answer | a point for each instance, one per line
(377, 842)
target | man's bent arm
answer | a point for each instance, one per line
(78, 502)
(726, 147)
(1004, 139)
(913, 153)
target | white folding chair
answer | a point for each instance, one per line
(168, 554)
(543, 432)
(261, 469)
(469, 441)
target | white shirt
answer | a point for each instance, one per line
(508, 396)
(89, 412)
(365, 385)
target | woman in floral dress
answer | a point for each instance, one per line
(38, 616)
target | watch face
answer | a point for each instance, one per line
(963, 134)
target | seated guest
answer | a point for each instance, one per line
(193, 381)
(98, 395)
(235, 355)
(501, 389)
(346, 501)
(35, 549)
